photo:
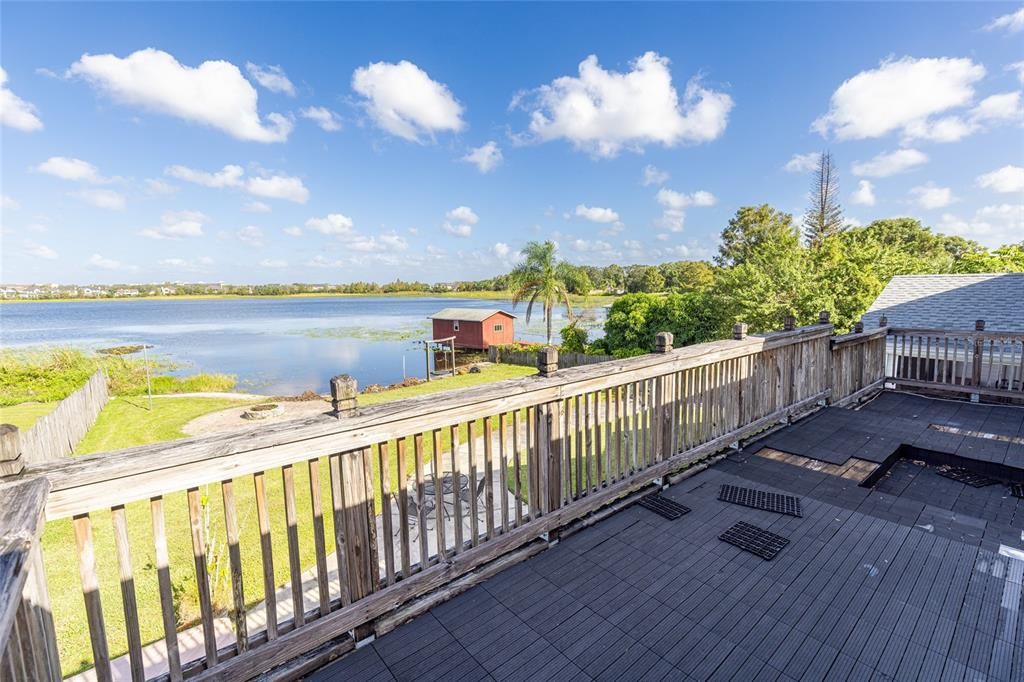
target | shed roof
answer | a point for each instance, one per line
(468, 314)
(951, 302)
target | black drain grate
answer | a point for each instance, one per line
(1017, 490)
(760, 499)
(966, 476)
(754, 540)
(662, 506)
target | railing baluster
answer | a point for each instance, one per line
(196, 522)
(438, 476)
(403, 509)
(453, 432)
(421, 511)
(588, 442)
(294, 562)
(127, 576)
(517, 466)
(163, 575)
(488, 478)
(267, 553)
(319, 541)
(577, 460)
(384, 465)
(608, 435)
(567, 451)
(474, 514)
(503, 475)
(227, 490)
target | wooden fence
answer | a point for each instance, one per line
(56, 434)
(979, 363)
(405, 498)
(508, 356)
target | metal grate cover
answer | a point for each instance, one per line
(754, 540)
(662, 506)
(760, 499)
(967, 476)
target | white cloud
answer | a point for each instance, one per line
(332, 224)
(899, 95)
(323, 117)
(40, 251)
(1017, 68)
(177, 225)
(384, 243)
(945, 129)
(931, 197)
(257, 207)
(183, 264)
(284, 187)
(273, 263)
(486, 157)
(320, 261)
(654, 176)
(865, 193)
(992, 226)
(458, 229)
(293, 231)
(596, 214)
(1002, 107)
(102, 198)
(403, 100)
(215, 93)
(8, 203)
(75, 170)
(591, 246)
(672, 199)
(1011, 23)
(103, 263)
(603, 112)
(802, 163)
(16, 112)
(273, 78)
(229, 176)
(278, 187)
(501, 249)
(890, 163)
(463, 214)
(251, 235)
(1006, 179)
(158, 186)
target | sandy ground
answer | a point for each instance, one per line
(231, 418)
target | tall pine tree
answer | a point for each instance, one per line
(824, 217)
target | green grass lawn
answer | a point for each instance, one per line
(127, 422)
(25, 415)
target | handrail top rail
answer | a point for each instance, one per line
(90, 482)
(21, 521)
(954, 333)
(855, 337)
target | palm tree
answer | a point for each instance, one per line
(541, 277)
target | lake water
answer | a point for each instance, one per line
(273, 345)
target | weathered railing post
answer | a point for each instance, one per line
(11, 461)
(344, 395)
(665, 427)
(979, 355)
(739, 331)
(858, 327)
(789, 323)
(883, 321)
(547, 361)
(824, 317)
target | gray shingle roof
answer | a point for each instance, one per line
(468, 314)
(951, 302)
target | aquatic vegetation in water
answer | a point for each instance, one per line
(368, 333)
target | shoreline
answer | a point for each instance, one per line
(596, 300)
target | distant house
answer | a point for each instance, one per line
(951, 302)
(474, 328)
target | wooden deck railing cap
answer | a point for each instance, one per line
(21, 521)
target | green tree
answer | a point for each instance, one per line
(613, 278)
(1009, 258)
(635, 319)
(824, 217)
(574, 338)
(751, 229)
(542, 277)
(687, 275)
(644, 279)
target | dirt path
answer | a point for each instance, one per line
(231, 419)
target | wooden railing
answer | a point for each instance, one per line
(359, 514)
(979, 363)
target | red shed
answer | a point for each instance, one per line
(474, 328)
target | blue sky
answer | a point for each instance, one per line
(331, 142)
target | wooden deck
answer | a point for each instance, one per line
(911, 580)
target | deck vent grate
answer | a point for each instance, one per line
(966, 476)
(1017, 490)
(761, 499)
(662, 506)
(754, 540)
